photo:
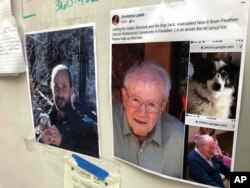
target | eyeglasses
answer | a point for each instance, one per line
(151, 107)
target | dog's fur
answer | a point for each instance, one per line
(210, 90)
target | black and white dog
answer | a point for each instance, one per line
(210, 91)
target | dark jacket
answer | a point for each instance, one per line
(77, 135)
(202, 172)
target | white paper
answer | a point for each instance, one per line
(5, 9)
(11, 55)
(206, 26)
(75, 177)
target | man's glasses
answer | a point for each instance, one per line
(151, 107)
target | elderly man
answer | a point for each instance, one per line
(143, 133)
(204, 167)
(68, 130)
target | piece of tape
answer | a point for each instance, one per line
(91, 168)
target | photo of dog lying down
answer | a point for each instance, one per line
(212, 88)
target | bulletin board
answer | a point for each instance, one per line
(24, 163)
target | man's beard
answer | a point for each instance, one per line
(62, 104)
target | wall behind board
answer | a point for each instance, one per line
(25, 165)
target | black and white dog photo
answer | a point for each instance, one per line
(212, 88)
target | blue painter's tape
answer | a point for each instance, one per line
(91, 168)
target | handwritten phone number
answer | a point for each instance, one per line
(66, 4)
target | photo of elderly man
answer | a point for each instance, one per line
(145, 134)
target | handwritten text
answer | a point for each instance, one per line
(66, 4)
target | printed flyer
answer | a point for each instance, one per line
(176, 82)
